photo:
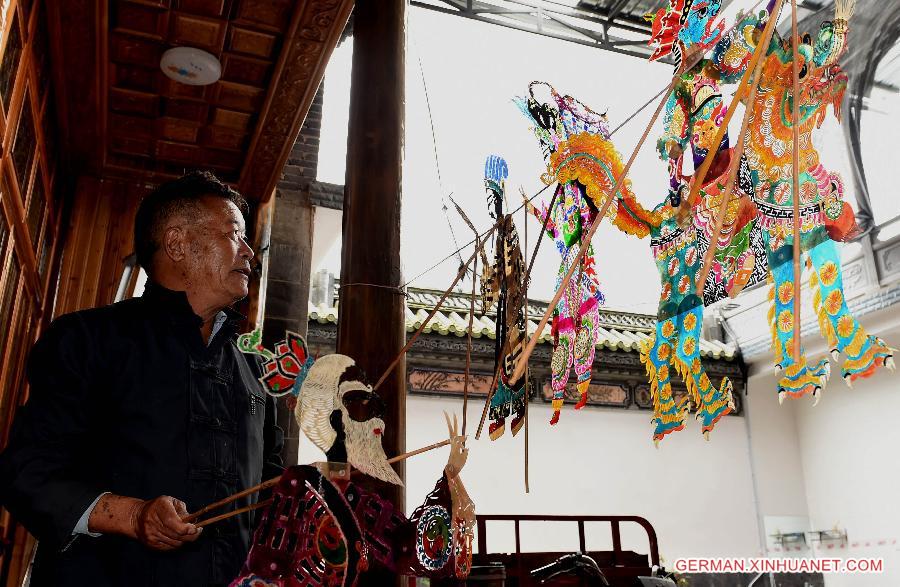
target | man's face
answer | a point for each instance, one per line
(218, 263)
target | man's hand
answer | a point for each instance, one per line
(156, 523)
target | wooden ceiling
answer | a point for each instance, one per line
(121, 117)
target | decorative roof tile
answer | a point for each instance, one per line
(618, 330)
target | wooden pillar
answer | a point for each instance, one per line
(287, 290)
(371, 309)
(289, 257)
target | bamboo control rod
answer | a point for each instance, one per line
(796, 194)
(756, 66)
(274, 481)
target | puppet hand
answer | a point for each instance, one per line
(668, 149)
(157, 523)
(458, 451)
(674, 150)
(684, 215)
(525, 200)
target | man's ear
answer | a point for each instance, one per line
(175, 243)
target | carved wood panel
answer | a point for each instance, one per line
(124, 118)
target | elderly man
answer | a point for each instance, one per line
(144, 410)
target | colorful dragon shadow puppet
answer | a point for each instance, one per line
(757, 236)
(322, 529)
(576, 318)
(502, 285)
(825, 217)
(579, 153)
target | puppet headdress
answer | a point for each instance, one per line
(319, 397)
(573, 115)
(291, 369)
(666, 25)
(283, 370)
(684, 25)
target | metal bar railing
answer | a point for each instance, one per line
(614, 522)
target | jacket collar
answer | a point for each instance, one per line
(175, 304)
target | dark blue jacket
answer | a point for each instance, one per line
(129, 399)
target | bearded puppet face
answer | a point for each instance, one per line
(361, 411)
(335, 406)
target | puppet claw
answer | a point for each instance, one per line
(835, 355)
(780, 396)
(848, 380)
(706, 435)
(817, 395)
(889, 363)
(582, 401)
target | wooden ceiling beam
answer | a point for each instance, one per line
(315, 30)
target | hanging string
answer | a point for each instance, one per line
(469, 343)
(479, 249)
(463, 269)
(527, 374)
(437, 163)
(638, 111)
(392, 288)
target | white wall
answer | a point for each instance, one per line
(849, 451)
(777, 462)
(698, 495)
(839, 458)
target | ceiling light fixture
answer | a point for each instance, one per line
(191, 66)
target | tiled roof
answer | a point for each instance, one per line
(618, 330)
